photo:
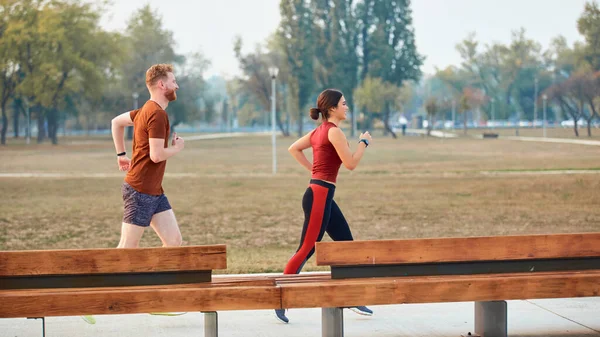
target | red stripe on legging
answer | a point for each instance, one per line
(312, 232)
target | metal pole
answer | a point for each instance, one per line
(545, 98)
(493, 118)
(273, 124)
(535, 103)
(453, 113)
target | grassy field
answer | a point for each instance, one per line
(222, 191)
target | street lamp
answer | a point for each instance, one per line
(135, 97)
(535, 98)
(453, 113)
(545, 98)
(273, 71)
(493, 119)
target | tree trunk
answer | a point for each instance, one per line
(282, 128)
(53, 125)
(16, 116)
(41, 117)
(575, 128)
(4, 125)
(465, 122)
(386, 122)
(300, 122)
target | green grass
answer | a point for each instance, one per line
(222, 192)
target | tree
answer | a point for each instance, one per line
(9, 75)
(146, 42)
(388, 41)
(257, 79)
(190, 77)
(588, 25)
(432, 107)
(296, 33)
(378, 98)
(569, 96)
(336, 59)
(472, 98)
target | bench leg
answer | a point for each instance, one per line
(332, 322)
(491, 319)
(43, 324)
(211, 326)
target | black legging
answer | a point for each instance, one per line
(321, 214)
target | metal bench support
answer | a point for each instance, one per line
(491, 319)
(43, 324)
(211, 324)
(332, 322)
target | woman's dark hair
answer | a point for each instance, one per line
(328, 99)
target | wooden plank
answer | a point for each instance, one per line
(112, 260)
(97, 302)
(373, 252)
(465, 268)
(389, 290)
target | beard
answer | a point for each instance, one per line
(171, 95)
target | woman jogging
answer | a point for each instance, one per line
(330, 151)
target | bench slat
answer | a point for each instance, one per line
(371, 252)
(111, 260)
(124, 301)
(389, 290)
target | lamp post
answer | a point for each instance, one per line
(493, 118)
(535, 98)
(273, 71)
(545, 99)
(453, 112)
(135, 96)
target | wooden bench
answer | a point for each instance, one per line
(486, 270)
(38, 284)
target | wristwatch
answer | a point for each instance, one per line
(364, 141)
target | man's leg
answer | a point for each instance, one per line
(137, 212)
(130, 235)
(165, 226)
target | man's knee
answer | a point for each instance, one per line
(174, 240)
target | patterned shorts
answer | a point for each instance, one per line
(139, 207)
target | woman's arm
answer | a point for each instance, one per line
(340, 143)
(296, 150)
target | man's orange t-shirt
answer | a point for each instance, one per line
(151, 121)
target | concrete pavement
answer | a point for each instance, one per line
(553, 317)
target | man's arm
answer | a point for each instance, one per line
(159, 153)
(118, 125)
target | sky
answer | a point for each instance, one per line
(210, 26)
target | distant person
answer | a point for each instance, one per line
(321, 213)
(144, 201)
(403, 122)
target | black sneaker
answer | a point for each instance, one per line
(280, 313)
(362, 310)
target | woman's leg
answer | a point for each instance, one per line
(317, 209)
